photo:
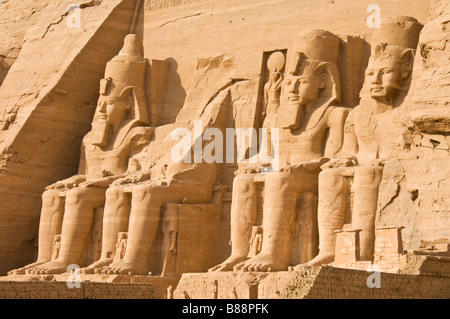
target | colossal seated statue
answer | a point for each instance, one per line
(310, 110)
(134, 204)
(369, 140)
(119, 131)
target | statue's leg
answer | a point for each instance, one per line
(243, 218)
(280, 203)
(115, 220)
(146, 203)
(366, 184)
(330, 214)
(78, 217)
(50, 225)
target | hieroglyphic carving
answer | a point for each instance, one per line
(154, 5)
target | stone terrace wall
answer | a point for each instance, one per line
(331, 283)
(88, 290)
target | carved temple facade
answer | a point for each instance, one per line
(359, 113)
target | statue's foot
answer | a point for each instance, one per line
(51, 267)
(123, 267)
(228, 264)
(22, 271)
(97, 266)
(262, 262)
(319, 260)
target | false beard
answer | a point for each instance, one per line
(294, 119)
(100, 134)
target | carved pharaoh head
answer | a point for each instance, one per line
(122, 92)
(315, 52)
(392, 58)
(388, 68)
(312, 76)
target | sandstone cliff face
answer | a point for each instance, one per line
(416, 191)
(47, 102)
(16, 19)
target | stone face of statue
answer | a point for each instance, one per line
(385, 79)
(110, 113)
(303, 88)
(386, 72)
(111, 110)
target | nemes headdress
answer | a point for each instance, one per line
(314, 52)
(125, 77)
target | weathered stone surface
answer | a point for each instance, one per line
(150, 90)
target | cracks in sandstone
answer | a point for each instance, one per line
(183, 18)
(83, 5)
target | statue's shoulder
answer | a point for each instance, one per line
(141, 130)
(338, 114)
(86, 138)
(140, 134)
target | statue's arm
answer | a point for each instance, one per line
(350, 146)
(348, 154)
(75, 180)
(336, 124)
(82, 166)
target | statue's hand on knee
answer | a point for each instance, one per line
(67, 183)
(131, 179)
(340, 162)
(378, 162)
(310, 166)
(250, 169)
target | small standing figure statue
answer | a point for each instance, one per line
(56, 247)
(121, 246)
(256, 241)
(170, 230)
(272, 89)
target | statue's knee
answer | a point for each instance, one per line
(277, 182)
(243, 183)
(75, 196)
(368, 175)
(50, 198)
(140, 192)
(114, 194)
(330, 178)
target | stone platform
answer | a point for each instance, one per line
(311, 283)
(91, 287)
(305, 283)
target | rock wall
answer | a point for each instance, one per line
(88, 290)
(311, 283)
(415, 191)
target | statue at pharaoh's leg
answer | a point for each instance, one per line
(119, 129)
(370, 133)
(311, 90)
